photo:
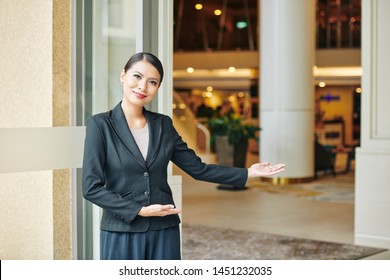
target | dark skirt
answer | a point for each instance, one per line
(161, 244)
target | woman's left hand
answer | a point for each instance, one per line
(265, 169)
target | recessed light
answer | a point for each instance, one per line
(198, 6)
(217, 12)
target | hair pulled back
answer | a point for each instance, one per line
(149, 57)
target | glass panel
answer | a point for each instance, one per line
(113, 43)
(221, 25)
(338, 23)
(105, 36)
(215, 25)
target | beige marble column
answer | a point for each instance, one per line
(26, 208)
(62, 185)
(287, 53)
(34, 92)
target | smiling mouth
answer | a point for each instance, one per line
(139, 95)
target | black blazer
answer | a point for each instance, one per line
(118, 179)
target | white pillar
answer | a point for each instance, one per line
(165, 93)
(287, 54)
(372, 185)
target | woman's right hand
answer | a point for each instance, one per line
(158, 210)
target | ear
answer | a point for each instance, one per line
(122, 76)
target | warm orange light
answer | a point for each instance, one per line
(322, 84)
(207, 94)
(217, 12)
(190, 70)
(232, 69)
(198, 6)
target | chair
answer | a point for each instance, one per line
(324, 160)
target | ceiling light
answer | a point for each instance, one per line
(190, 70)
(232, 69)
(337, 71)
(217, 12)
(322, 84)
(358, 90)
(209, 88)
(198, 6)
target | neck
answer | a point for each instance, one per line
(132, 111)
(134, 116)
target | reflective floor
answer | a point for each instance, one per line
(267, 212)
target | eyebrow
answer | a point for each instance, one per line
(136, 72)
(139, 73)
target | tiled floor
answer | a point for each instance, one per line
(255, 210)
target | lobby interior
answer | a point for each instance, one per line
(233, 54)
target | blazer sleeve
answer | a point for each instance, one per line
(186, 159)
(94, 179)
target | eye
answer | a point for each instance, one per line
(138, 77)
(154, 83)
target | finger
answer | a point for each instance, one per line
(167, 206)
(277, 171)
(278, 166)
(171, 211)
(174, 211)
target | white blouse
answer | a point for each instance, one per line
(141, 137)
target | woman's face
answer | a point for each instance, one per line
(140, 83)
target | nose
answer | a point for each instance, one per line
(142, 85)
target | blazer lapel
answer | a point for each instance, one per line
(119, 125)
(155, 134)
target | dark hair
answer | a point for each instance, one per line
(145, 56)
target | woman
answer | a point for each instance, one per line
(127, 151)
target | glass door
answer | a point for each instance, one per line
(106, 34)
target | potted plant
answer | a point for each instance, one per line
(230, 135)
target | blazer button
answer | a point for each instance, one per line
(146, 193)
(146, 174)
